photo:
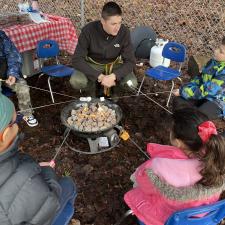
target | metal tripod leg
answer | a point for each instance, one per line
(171, 90)
(50, 89)
(93, 145)
(139, 89)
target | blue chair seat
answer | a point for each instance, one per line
(58, 70)
(162, 73)
(211, 214)
(175, 52)
(50, 49)
(66, 215)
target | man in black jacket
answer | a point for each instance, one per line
(104, 48)
(30, 193)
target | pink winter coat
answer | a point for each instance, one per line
(167, 183)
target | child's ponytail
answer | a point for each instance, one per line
(213, 172)
(199, 137)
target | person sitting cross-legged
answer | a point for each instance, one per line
(104, 55)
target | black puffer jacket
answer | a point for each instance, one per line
(29, 194)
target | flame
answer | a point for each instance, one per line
(99, 112)
(100, 109)
(85, 108)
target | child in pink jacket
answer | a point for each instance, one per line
(187, 174)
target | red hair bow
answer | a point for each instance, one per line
(206, 129)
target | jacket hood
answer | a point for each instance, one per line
(11, 150)
(9, 160)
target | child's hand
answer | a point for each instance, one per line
(51, 164)
(176, 92)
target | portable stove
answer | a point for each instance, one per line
(99, 141)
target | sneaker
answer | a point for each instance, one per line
(31, 121)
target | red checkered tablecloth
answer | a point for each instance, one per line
(60, 29)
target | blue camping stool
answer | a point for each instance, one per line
(66, 215)
(50, 49)
(210, 215)
(214, 213)
(175, 52)
(67, 198)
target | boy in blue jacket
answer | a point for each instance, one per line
(206, 91)
(10, 71)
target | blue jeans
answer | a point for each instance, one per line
(67, 199)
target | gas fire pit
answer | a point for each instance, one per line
(94, 120)
(92, 117)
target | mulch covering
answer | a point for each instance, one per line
(101, 179)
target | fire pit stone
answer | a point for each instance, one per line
(92, 117)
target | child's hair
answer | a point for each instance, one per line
(111, 9)
(223, 41)
(211, 153)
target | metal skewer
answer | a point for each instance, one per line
(130, 84)
(139, 148)
(60, 147)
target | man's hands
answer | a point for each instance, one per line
(100, 77)
(11, 80)
(107, 81)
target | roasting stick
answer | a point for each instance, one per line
(130, 84)
(150, 93)
(52, 162)
(141, 93)
(125, 96)
(124, 135)
(43, 106)
(139, 148)
(41, 89)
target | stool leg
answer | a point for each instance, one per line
(50, 89)
(168, 101)
(125, 215)
(139, 89)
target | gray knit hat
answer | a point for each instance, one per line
(6, 111)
